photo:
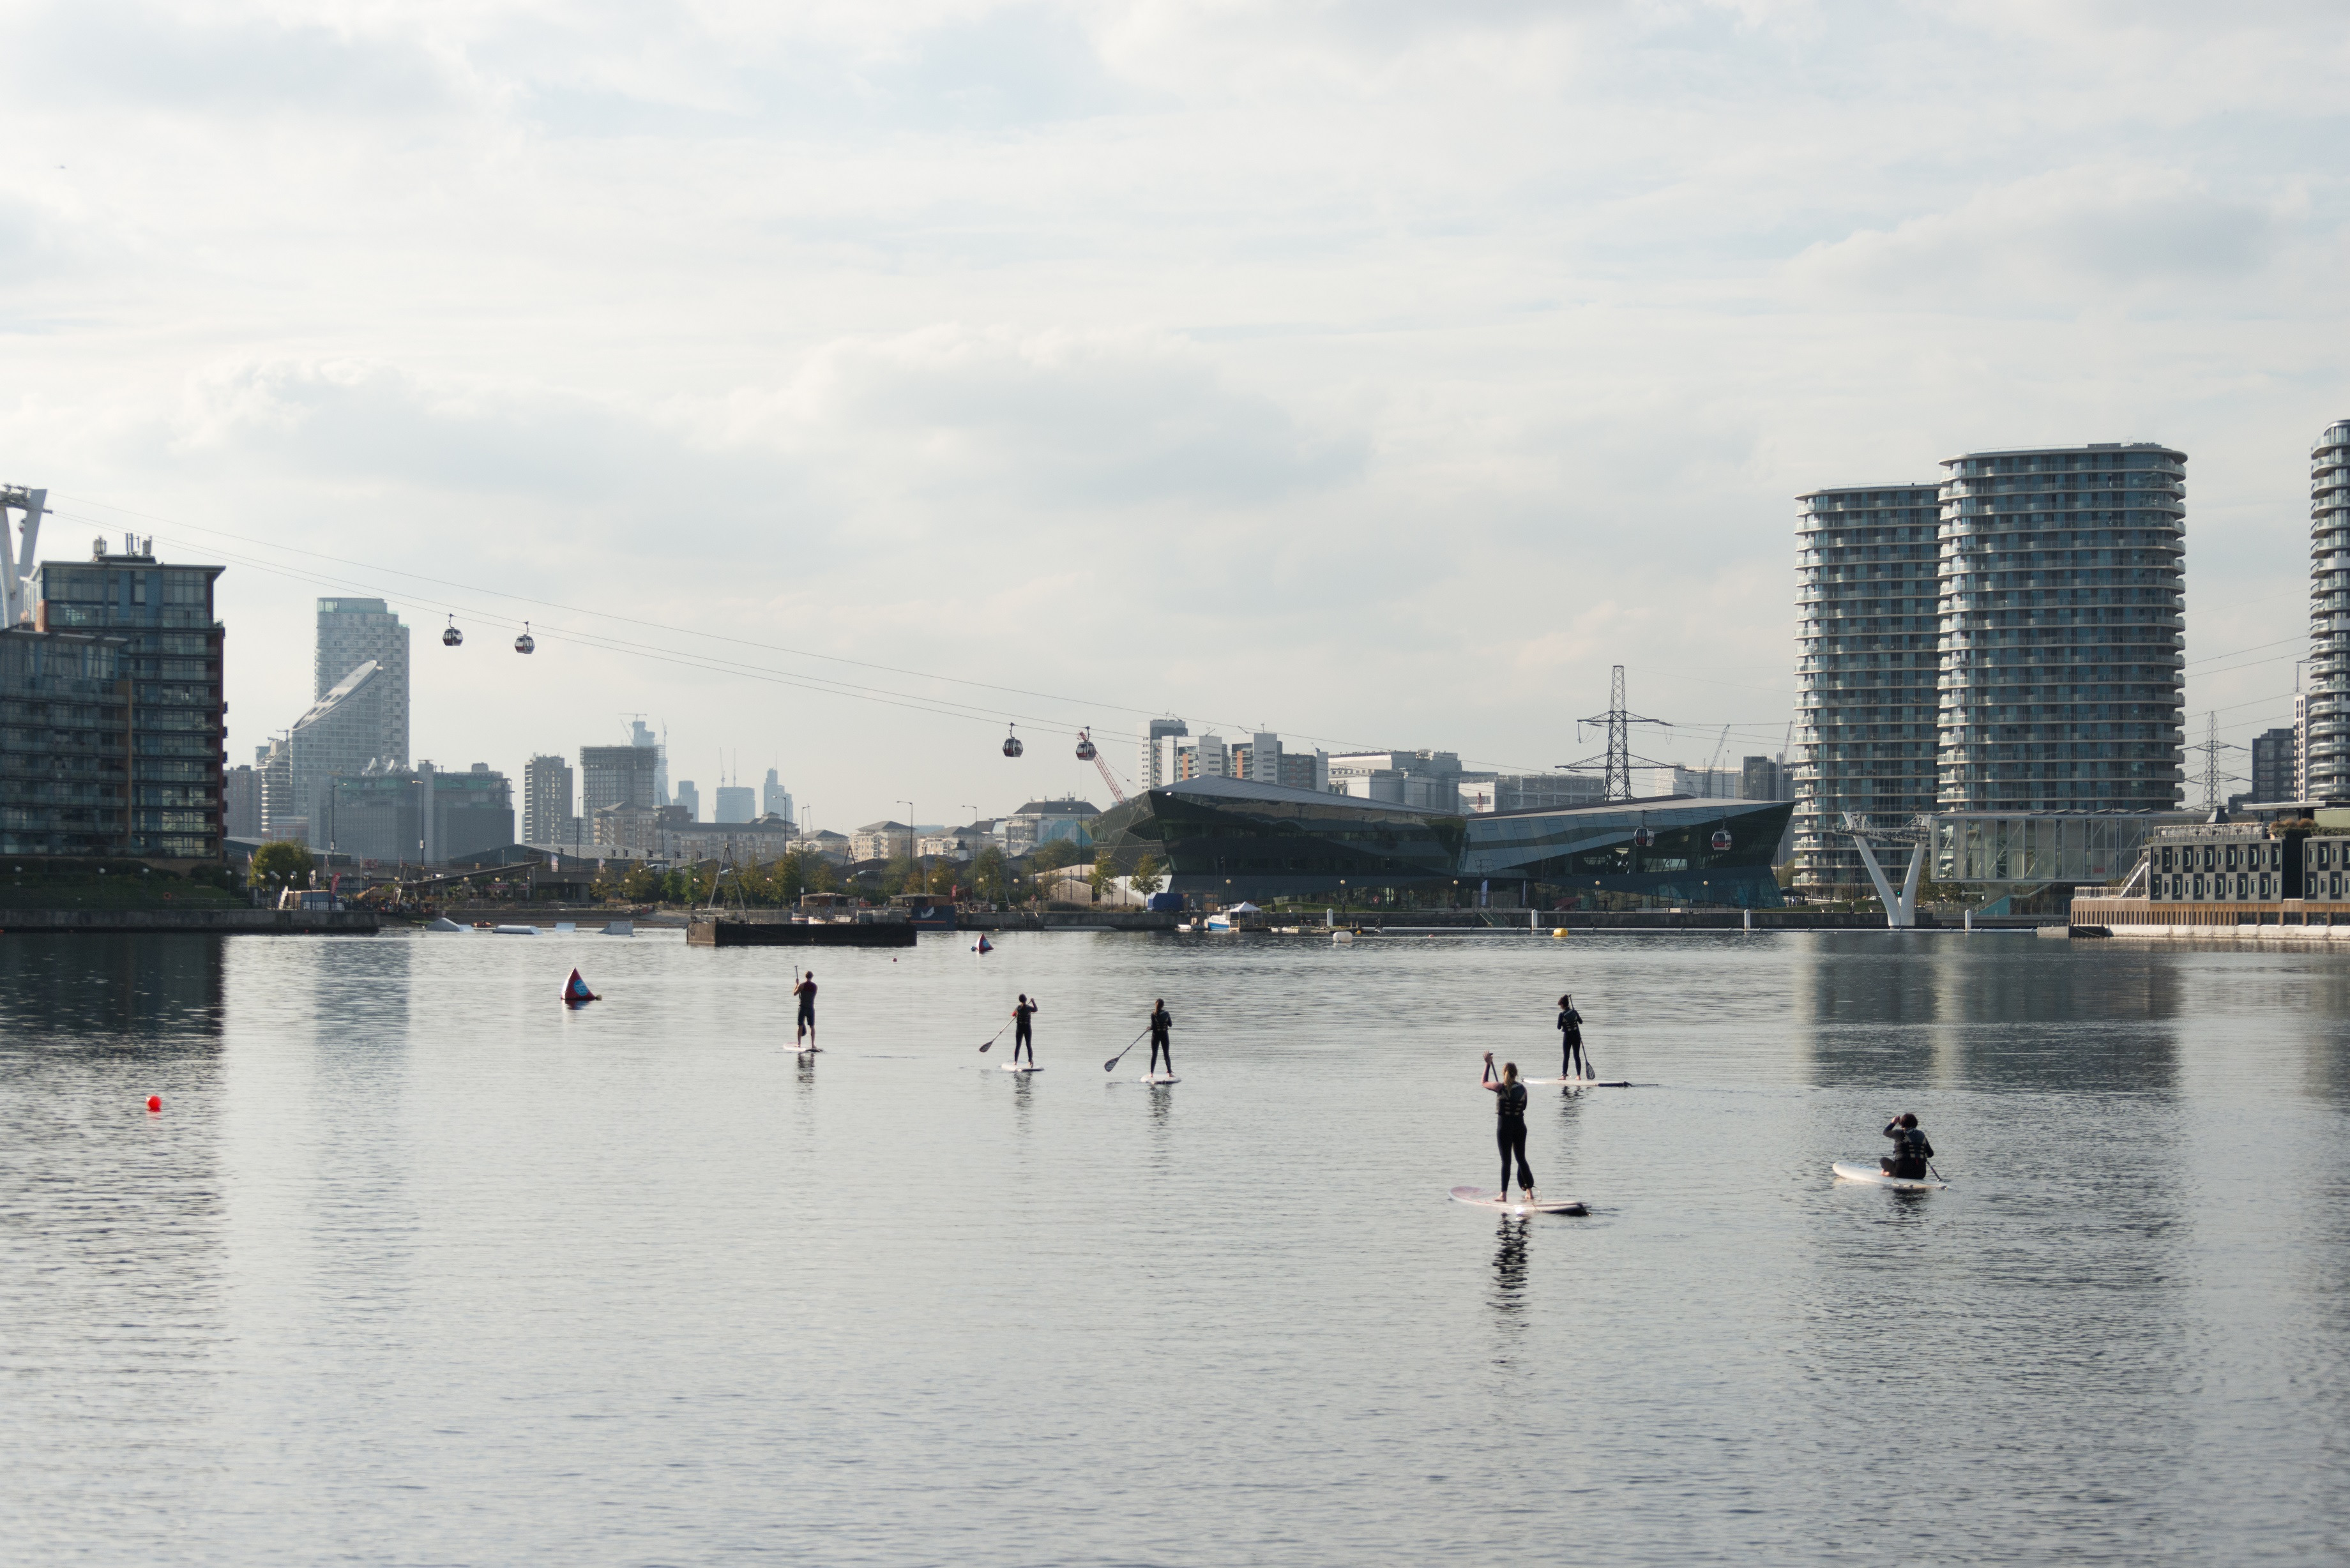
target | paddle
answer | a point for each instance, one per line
(993, 1038)
(1937, 1174)
(1114, 1061)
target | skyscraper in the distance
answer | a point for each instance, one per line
(547, 783)
(2063, 639)
(2327, 757)
(1155, 767)
(350, 633)
(687, 797)
(1866, 669)
(734, 803)
(774, 800)
(2273, 769)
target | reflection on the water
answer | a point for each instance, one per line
(102, 993)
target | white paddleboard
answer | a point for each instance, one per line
(1502, 1203)
(1158, 1078)
(809, 1050)
(1020, 1068)
(1576, 1083)
(1874, 1176)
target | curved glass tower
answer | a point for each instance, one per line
(2327, 742)
(1864, 669)
(2062, 637)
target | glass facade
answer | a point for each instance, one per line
(171, 657)
(65, 744)
(2328, 741)
(1232, 839)
(1867, 669)
(2061, 637)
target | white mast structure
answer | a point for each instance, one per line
(16, 568)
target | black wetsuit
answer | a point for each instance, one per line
(806, 992)
(1571, 1060)
(1023, 1033)
(1510, 1132)
(1910, 1153)
(1161, 1023)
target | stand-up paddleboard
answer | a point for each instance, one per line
(806, 1050)
(1502, 1203)
(1158, 1078)
(1576, 1083)
(1874, 1176)
(1021, 1067)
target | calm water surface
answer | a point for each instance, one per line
(417, 1267)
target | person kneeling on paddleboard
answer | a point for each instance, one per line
(1510, 1123)
(1161, 1020)
(1911, 1149)
(1572, 1062)
(1023, 1031)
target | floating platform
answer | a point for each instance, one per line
(704, 931)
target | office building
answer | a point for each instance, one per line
(1157, 756)
(171, 648)
(885, 840)
(1867, 669)
(618, 776)
(1042, 822)
(643, 737)
(1425, 781)
(2062, 638)
(241, 803)
(736, 802)
(65, 743)
(774, 800)
(688, 799)
(2273, 769)
(351, 632)
(1673, 779)
(392, 815)
(1493, 791)
(546, 785)
(2328, 748)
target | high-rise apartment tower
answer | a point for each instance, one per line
(546, 784)
(1866, 669)
(2062, 634)
(350, 633)
(2327, 753)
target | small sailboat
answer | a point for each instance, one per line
(576, 992)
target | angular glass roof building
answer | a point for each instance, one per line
(1244, 838)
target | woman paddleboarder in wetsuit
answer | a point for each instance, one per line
(1023, 1032)
(1509, 1125)
(1572, 1062)
(1911, 1149)
(1161, 1020)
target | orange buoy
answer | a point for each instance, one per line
(154, 1101)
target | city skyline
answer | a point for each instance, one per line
(1498, 374)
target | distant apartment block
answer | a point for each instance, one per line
(2273, 765)
(618, 776)
(424, 814)
(1157, 753)
(352, 633)
(546, 794)
(241, 802)
(2327, 748)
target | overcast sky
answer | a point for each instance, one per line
(1379, 372)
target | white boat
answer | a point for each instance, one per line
(1222, 923)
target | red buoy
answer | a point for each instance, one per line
(154, 1101)
(576, 992)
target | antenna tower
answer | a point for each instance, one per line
(2211, 748)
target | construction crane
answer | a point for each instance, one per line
(1090, 753)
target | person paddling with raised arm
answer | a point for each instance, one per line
(1572, 1062)
(1510, 1123)
(1911, 1149)
(1161, 1020)
(1023, 1031)
(806, 992)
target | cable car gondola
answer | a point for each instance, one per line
(1085, 752)
(1720, 838)
(1011, 746)
(1642, 838)
(450, 636)
(524, 644)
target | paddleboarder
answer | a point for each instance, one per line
(1911, 1149)
(1510, 1123)
(806, 992)
(1161, 1020)
(1023, 1029)
(1572, 1062)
